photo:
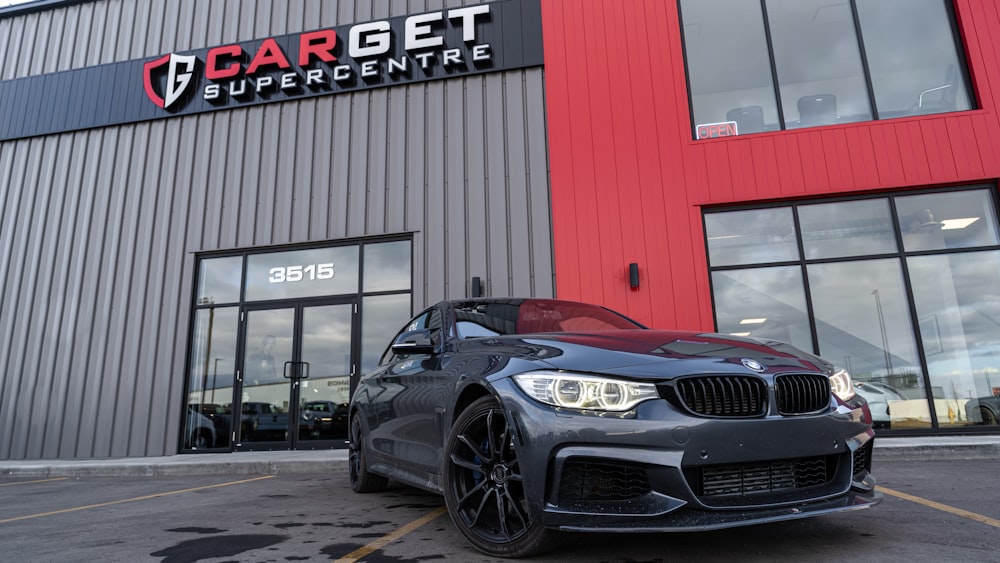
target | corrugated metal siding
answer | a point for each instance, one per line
(628, 183)
(98, 229)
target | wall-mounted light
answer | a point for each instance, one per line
(477, 287)
(633, 275)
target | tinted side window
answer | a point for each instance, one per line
(431, 318)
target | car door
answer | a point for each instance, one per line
(408, 398)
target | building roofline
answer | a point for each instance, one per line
(36, 6)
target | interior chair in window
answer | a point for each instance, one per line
(940, 99)
(748, 119)
(817, 109)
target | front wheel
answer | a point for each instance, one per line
(483, 487)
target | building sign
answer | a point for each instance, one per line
(714, 130)
(488, 37)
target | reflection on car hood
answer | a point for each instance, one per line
(657, 353)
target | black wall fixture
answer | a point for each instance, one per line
(633, 275)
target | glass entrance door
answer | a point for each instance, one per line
(297, 362)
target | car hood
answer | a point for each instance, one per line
(657, 353)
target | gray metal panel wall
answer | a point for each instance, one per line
(99, 229)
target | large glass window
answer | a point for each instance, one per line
(958, 311)
(763, 302)
(728, 64)
(915, 67)
(903, 291)
(941, 221)
(818, 62)
(832, 61)
(747, 237)
(847, 228)
(207, 422)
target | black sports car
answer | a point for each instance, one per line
(534, 416)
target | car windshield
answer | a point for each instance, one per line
(535, 315)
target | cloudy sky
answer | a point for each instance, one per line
(9, 2)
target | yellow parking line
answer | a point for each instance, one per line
(35, 481)
(389, 538)
(147, 497)
(943, 507)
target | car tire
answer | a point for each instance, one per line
(483, 489)
(201, 440)
(989, 418)
(361, 480)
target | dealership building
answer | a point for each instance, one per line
(213, 215)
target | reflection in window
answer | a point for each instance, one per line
(947, 220)
(912, 57)
(818, 62)
(219, 280)
(863, 324)
(763, 303)
(728, 65)
(210, 378)
(852, 228)
(959, 318)
(755, 236)
(382, 315)
(387, 266)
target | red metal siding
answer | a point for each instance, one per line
(628, 183)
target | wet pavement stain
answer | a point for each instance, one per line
(217, 546)
(198, 530)
(289, 525)
(338, 550)
(363, 524)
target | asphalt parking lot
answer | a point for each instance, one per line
(951, 513)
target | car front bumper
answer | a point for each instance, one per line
(658, 469)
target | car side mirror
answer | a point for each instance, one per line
(414, 342)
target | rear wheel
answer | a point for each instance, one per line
(361, 480)
(483, 487)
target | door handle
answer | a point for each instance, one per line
(296, 370)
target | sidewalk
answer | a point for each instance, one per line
(934, 448)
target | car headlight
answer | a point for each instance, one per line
(841, 385)
(584, 392)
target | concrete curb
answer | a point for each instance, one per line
(941, 448)
(241, 463)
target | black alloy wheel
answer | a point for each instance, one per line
(361, 480)
(483, 487)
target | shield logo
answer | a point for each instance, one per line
(180, 72)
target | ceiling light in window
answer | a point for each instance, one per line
(759, 321)
(951, 224)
